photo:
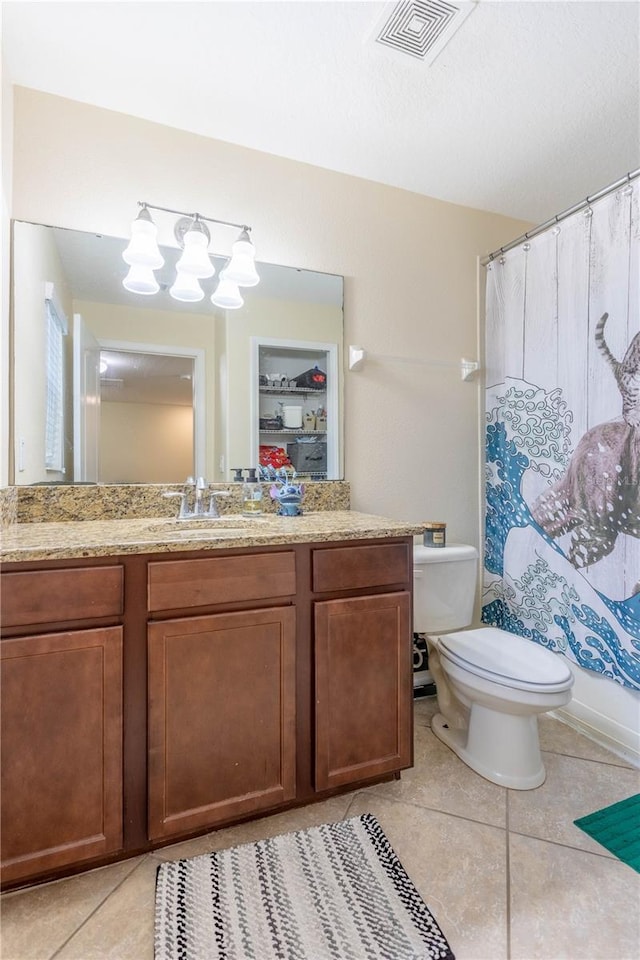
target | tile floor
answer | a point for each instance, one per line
(505, 872)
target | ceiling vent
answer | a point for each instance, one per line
(421, 28)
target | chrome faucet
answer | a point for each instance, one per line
(213, 501)
(192, 500)
(198, 506)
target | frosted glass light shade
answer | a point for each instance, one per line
(186, 288)
(226, 295)
(241, 269)
(143, 249)
(195, 260)
(141, 279)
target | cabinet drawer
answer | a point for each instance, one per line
(349, 568)
(198, 583)
(48, 596)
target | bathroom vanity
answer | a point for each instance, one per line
(159, 682)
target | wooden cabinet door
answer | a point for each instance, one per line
(363, 685)
(221, 717)
(61, 769)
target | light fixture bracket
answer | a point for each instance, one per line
(184, 224)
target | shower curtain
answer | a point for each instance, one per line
(562, 529)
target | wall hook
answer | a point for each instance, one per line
(356, 357)
(468, 368)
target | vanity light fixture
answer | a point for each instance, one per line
(143, 247)
(226, 294)
(193, 236)
(241, 269)
(186, 288)
(141, 280)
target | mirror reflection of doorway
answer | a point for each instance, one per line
(146, 417)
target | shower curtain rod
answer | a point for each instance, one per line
(633, 175)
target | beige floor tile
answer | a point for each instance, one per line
(459, 868)
(423, 710)
(301, 818)
(573, 789)
(35, 922)
(558, 737)
(122, 928)
(441, 781)
(571, 905)
(570, 899)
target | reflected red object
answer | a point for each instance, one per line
(273, 456)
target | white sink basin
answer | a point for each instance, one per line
(205, 529)
(206, 533)
(231, 521)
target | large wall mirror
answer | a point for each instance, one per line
(113, 387)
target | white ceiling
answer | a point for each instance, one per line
(530, 107)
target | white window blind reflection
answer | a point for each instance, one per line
(54, 418)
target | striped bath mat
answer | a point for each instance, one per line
(617, 828)
(334, 892)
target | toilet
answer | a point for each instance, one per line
(490, 684)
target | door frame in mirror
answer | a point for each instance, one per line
(86, 403)
(334, 426)
(199, 406)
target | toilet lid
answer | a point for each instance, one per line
(506, 658)
(454, 552)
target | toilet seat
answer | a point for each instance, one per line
(506, 659)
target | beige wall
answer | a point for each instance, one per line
(409, 264)
(411, 289)
(37, 264)
(6, 153)
(158, 439)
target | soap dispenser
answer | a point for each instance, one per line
(251, 495)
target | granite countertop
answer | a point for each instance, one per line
(103, 538)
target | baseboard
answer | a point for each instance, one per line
(621, 740)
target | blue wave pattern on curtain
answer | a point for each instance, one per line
(562, 529)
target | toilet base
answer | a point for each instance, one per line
(502, 748)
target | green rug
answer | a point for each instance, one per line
(618, 829)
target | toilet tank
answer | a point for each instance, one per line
(444, 587)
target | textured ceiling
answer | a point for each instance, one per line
(530, 107)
